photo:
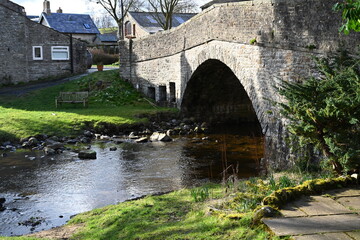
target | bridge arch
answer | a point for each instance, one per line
(214, 94)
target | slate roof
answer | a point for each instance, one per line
(108, 37)
(149, 23)
(71, 23)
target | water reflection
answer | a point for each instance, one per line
(55, 188)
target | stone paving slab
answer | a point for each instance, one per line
(344, 192)
(353, 203)
(325, 236)
(292, 211)
(354, 235)
(318, 205)
(314, 224)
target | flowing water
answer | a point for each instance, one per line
(51, 189)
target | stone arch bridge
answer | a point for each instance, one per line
(223, 64)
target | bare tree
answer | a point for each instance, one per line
(118, 9)
(164, 9)
(104, 20)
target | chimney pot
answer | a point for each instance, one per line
(46, 6)
(59, 10)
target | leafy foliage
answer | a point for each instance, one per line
(324, 111)
(350, 15)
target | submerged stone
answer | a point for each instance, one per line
(87, 154)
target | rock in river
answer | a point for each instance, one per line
(87, 154)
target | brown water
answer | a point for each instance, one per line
(54, 188)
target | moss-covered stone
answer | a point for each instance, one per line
(282, 196)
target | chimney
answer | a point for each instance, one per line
(59, 10)
(46, 6)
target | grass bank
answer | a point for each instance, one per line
(213, 211)
(112, 101)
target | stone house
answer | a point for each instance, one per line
(80, 26)
(30, 51)
(140, 24)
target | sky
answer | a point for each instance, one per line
(35, 7)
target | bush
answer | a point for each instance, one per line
(100, 57)
(324, 111)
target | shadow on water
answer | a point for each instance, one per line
(56, 187)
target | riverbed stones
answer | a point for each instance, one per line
(88, 134)
(53, 144)
(132, 135)
(113, 148)
(88, 154)
(49, 151)
(142, 140)
(157, 136)
(2, 201)
(33, 141)
(105, 137)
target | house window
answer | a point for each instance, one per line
(87, 26)
(37, 53)
(60, 53)
(128, 29)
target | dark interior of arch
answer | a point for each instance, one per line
(215, 95)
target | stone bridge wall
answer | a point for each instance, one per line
(287, 33)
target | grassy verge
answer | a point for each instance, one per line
(114, 102)
(213, 211)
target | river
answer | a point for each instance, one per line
(50, 189)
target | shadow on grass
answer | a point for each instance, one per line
(6, 136)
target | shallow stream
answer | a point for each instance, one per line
(51, 189)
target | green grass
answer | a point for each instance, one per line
(171, 216)
(35, 113)
(227, 212)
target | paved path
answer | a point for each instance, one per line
(334, 215)
(19, 90)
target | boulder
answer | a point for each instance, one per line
(53, 144)
(54, 138)
(85, 140)
(22, 140)
(164, 138)
(33, 141)
(49, 151)
(113, 148)
(132, 135)
(2, 201)
(88, 134)
(156, 136)
(265, 211)
(87, 154)
(71, 141)
(104, 137)
(142, 140)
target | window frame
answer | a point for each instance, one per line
(41, 53)
(53, 49)
(128, 28)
